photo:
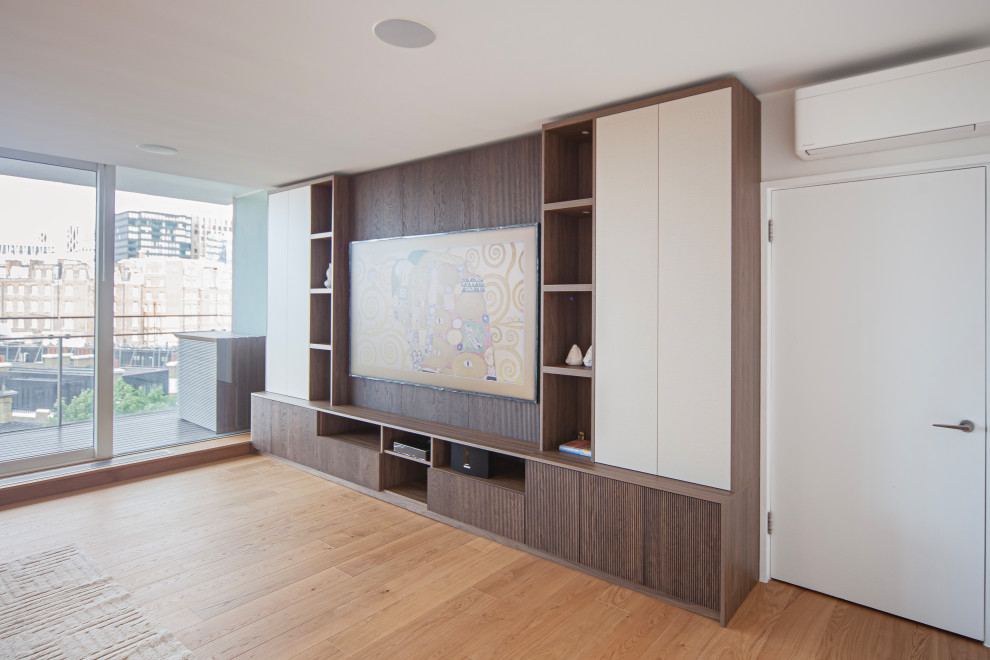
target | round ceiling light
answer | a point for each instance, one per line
(159, 149)
(404, 33)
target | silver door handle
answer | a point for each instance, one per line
(965, 426)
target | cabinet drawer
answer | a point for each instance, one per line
(350, 462)
(469, 500)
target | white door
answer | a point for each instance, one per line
(878, 303)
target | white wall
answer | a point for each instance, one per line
(780, 161)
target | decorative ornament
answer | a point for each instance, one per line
(574, 357)
(587, 357)
(328, 283)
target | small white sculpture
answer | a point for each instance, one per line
(587, 357)
(574, 357)
(328, 283)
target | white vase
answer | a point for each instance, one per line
(328, 283)
(574, 357)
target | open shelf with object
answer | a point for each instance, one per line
(624, 525)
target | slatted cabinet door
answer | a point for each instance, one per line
(612, 527)
(553, 510)
(682, 547)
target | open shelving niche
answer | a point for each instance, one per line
(568, 283)
(613, 522)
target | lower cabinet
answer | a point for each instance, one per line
(612, 527)
(666, 542)
(553, 510)
(669, 544)
(682, 547)
(470, 500)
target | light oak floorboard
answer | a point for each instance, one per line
(251, 558)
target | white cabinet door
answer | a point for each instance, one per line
(297, 293)
(877, 332)
(626, 289)
(276, 340)
(694, 343)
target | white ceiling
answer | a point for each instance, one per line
(265, 92)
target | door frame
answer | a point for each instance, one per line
(766, 264)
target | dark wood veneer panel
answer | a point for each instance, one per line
(280, 414)
(746, 272)
(351, 462)
(397, 471)
(568, 240)
(261, 424)
(740, 547)
(491, 186)
(553, 510)
(340, 332)
(301, 443)
(567, 318)
(682, 547)
(612, 527)
(566, 409)
(495, 509)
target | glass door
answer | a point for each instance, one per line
(172, 280)
(48, 282)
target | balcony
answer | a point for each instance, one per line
(131, 433)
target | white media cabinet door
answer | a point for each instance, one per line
(626, 289)
(277, 325)
(297, 293)
(694, 343)
(878, 332)
(287, 342)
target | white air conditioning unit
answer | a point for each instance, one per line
(943, 99)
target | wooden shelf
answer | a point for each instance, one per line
(568, 370)
(321, 347)
(323, 290)
(505, 445)
(567, 288)
(513, 482)
(370, 440)
(407, 458)
(413, 490)
(321, 235)
(583, 206)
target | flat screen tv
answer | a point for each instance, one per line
(455, 311)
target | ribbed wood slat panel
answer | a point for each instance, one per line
(498, 510)
(682, 547)
(553, 510)
(612, 527)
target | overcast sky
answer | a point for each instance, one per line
(29, 207)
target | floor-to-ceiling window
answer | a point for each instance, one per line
(102, 272)
(173, 250)
(48, 237)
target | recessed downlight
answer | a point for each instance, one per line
(404, 33)
(159, 149)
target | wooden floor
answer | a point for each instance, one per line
(250, 558)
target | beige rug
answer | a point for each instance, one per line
(60, 605)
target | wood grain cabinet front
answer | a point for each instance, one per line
(470, 500)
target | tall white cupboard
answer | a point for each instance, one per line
(663, 280)
(287, 347)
